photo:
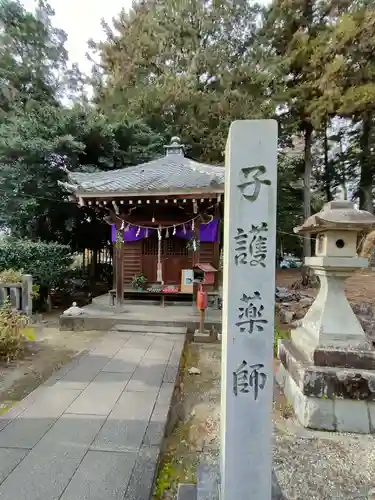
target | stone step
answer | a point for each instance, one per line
(187, 492)
(151, 328)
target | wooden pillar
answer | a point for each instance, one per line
(114, 265)
(159, 268)
(119, 255)
(216, 257)
(196, 254)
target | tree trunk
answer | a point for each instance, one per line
(49, 302)
(343, 180)
(366, 179)
(327, 168)
(307, 197)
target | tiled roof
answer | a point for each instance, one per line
(170, 173)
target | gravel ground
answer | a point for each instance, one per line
(339, 467)
(309, 465)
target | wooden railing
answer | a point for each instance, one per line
(18, 294)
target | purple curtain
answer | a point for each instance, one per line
(207, 232)
(131, 233)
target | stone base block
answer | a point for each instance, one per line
(207, 336)
(187, 492)
(326, 398)
(326, 382)
(208, 485)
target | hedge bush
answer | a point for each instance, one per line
(14, 331)
(48, 263)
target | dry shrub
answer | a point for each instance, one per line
(11, 276)
(368, 247)
(14, 331)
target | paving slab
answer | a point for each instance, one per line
(109, 346)
(154, 434)
(87, 369)
(94, 430)
(170, 374)
(147, 378)
(29, 427)
(162, 405)
(9, 459)
(21, 406)
(46, 471)
(142, 479)
(60, 374)
(140, 342)
(127, 423)
(159, 350)
(101, 476)
(100, 396)
(126, 360)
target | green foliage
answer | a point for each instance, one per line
(47, 263)
(36, 291)
(40, 137)
(32, 55)
(279, 335)
(139, 281)
(290, 203)
(14, 331)
(188, 68)
(347, 81)
(165, 480)
(35, 148)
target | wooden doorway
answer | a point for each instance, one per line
(174, 258)
(150, 258)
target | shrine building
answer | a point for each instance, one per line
(165, 218)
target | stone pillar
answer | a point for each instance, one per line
(27, 294)
(327, 369)
(248, 310)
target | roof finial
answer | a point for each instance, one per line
(175, 147)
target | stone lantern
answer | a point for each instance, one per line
(327, 369)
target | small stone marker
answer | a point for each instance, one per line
(73, 311)
(248, 310)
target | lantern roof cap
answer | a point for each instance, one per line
(338, 215)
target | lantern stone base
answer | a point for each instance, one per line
(330, 396)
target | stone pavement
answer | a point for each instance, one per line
(93, 431)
